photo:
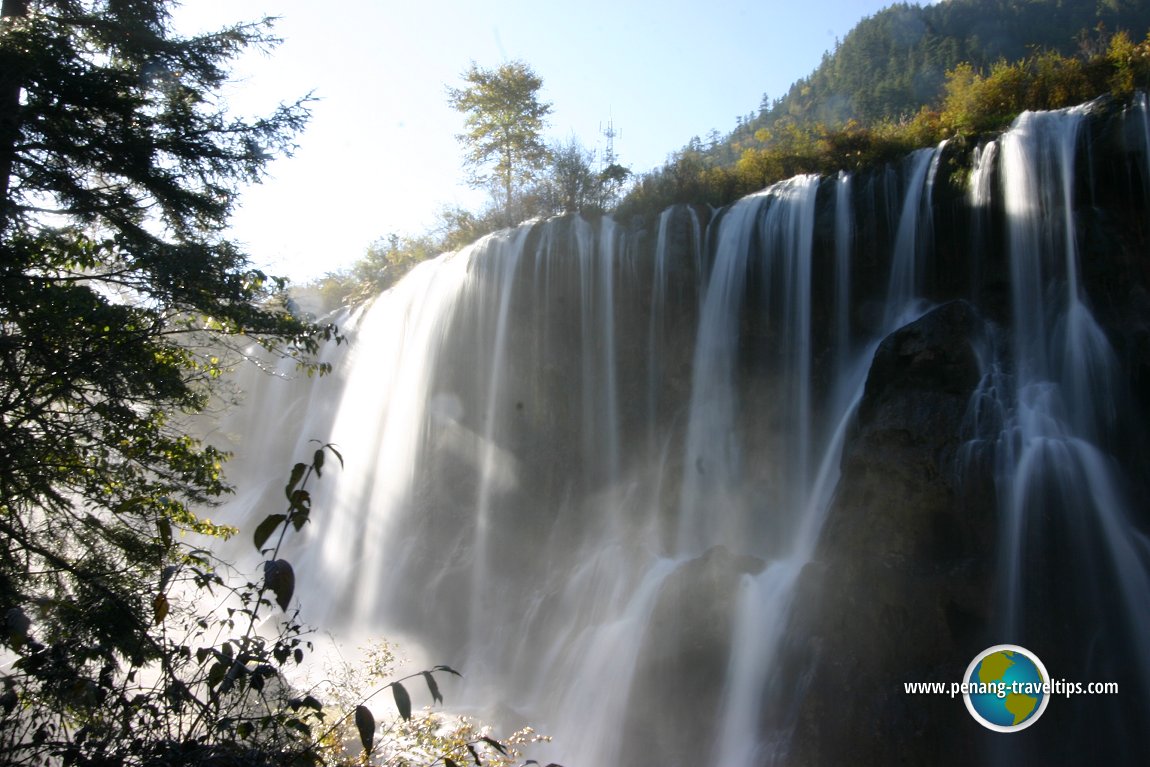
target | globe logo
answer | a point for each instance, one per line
(1006, 688)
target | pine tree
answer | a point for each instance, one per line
(119, 296)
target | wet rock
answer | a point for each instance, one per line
(900, 587)
(684, 659)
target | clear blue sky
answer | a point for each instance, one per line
(380, 154)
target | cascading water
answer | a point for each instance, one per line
(914, 239)
(661, 297)
(589, 463)
(1071, 549)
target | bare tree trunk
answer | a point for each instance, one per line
(11, 82)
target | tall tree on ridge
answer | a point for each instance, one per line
(504, 118)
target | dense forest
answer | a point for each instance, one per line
(893, 63)
(903, 78)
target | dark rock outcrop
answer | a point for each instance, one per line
(902, 576)
(684, 660)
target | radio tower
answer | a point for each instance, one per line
(611, 174)
(610, 134)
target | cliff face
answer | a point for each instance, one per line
(711, 488)
(911, 576)
(901, 587)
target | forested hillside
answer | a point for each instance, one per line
(896, 61)
(911, 76)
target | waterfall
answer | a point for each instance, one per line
(844, 244)
(914, 239)
(589, 462)
(1072, 548)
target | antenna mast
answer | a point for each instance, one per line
(610, 134)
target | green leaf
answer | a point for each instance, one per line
(475, 755)
(216, 673)
(296, 475)
(365, 723)
(299, 519)
(449, 762)
(494, 744)
(402, 700)
(165, 528)
(265, 670)
(448, 669)
(166, 575)
(16, 627)
(317, 462)
(266, 528)
(300, 500)
(432, 687)
(279, 578)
